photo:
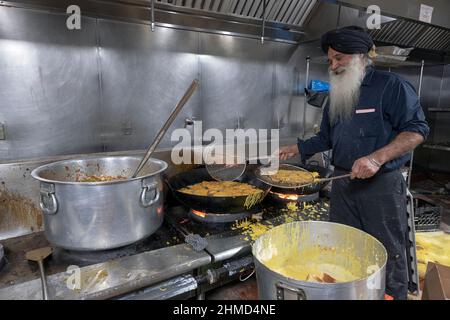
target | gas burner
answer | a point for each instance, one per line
(286, 197)
(82, 258)
(204, 217)
(2, 257)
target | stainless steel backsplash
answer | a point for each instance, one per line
(111, 85)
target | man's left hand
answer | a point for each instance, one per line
(364, 169)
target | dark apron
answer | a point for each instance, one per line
(378, 207)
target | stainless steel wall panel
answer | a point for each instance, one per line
(286, 78)
(126, 80)
(49, 88)
(440, 121)
(431, 86)
(237, 78)
(445, 92)
(295, 111)
(144, 74)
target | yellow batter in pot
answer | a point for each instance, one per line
(307, 266)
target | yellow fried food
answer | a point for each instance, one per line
(432, 247)
(221, 189)
(294, 177)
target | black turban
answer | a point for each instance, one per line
(348, 40)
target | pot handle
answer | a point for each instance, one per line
(47, 199)
(146, 188)
(285, 291)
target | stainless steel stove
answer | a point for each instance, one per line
(187, 256)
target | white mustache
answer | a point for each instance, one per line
(339, 70)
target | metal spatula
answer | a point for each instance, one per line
(39, 256)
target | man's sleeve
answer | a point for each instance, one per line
(320, 142)
(403, 108)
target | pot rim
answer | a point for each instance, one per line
(322, 285)
(36, 172)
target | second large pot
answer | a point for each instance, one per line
(100, 215)
(322, 245)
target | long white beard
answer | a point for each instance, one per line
(345, 89)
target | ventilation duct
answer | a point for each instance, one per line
(287, 12)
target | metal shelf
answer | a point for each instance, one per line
(439, 109)
(437, 147)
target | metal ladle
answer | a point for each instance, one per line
(39, 256)
(166, 126)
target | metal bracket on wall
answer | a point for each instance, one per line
(305, 104)
(2, 131)
(153, 15)
(263, 21)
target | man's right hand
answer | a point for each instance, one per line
(288, 152)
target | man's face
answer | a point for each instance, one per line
(338, 61)
(346, 75)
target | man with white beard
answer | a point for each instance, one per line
(372, 123)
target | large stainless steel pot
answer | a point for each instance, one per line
(344, 246)
(100, 215)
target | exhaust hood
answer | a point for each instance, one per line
(286, 20)
(287, 12)
(413, 34)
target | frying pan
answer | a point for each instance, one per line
(309, 189)
(208, 203)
